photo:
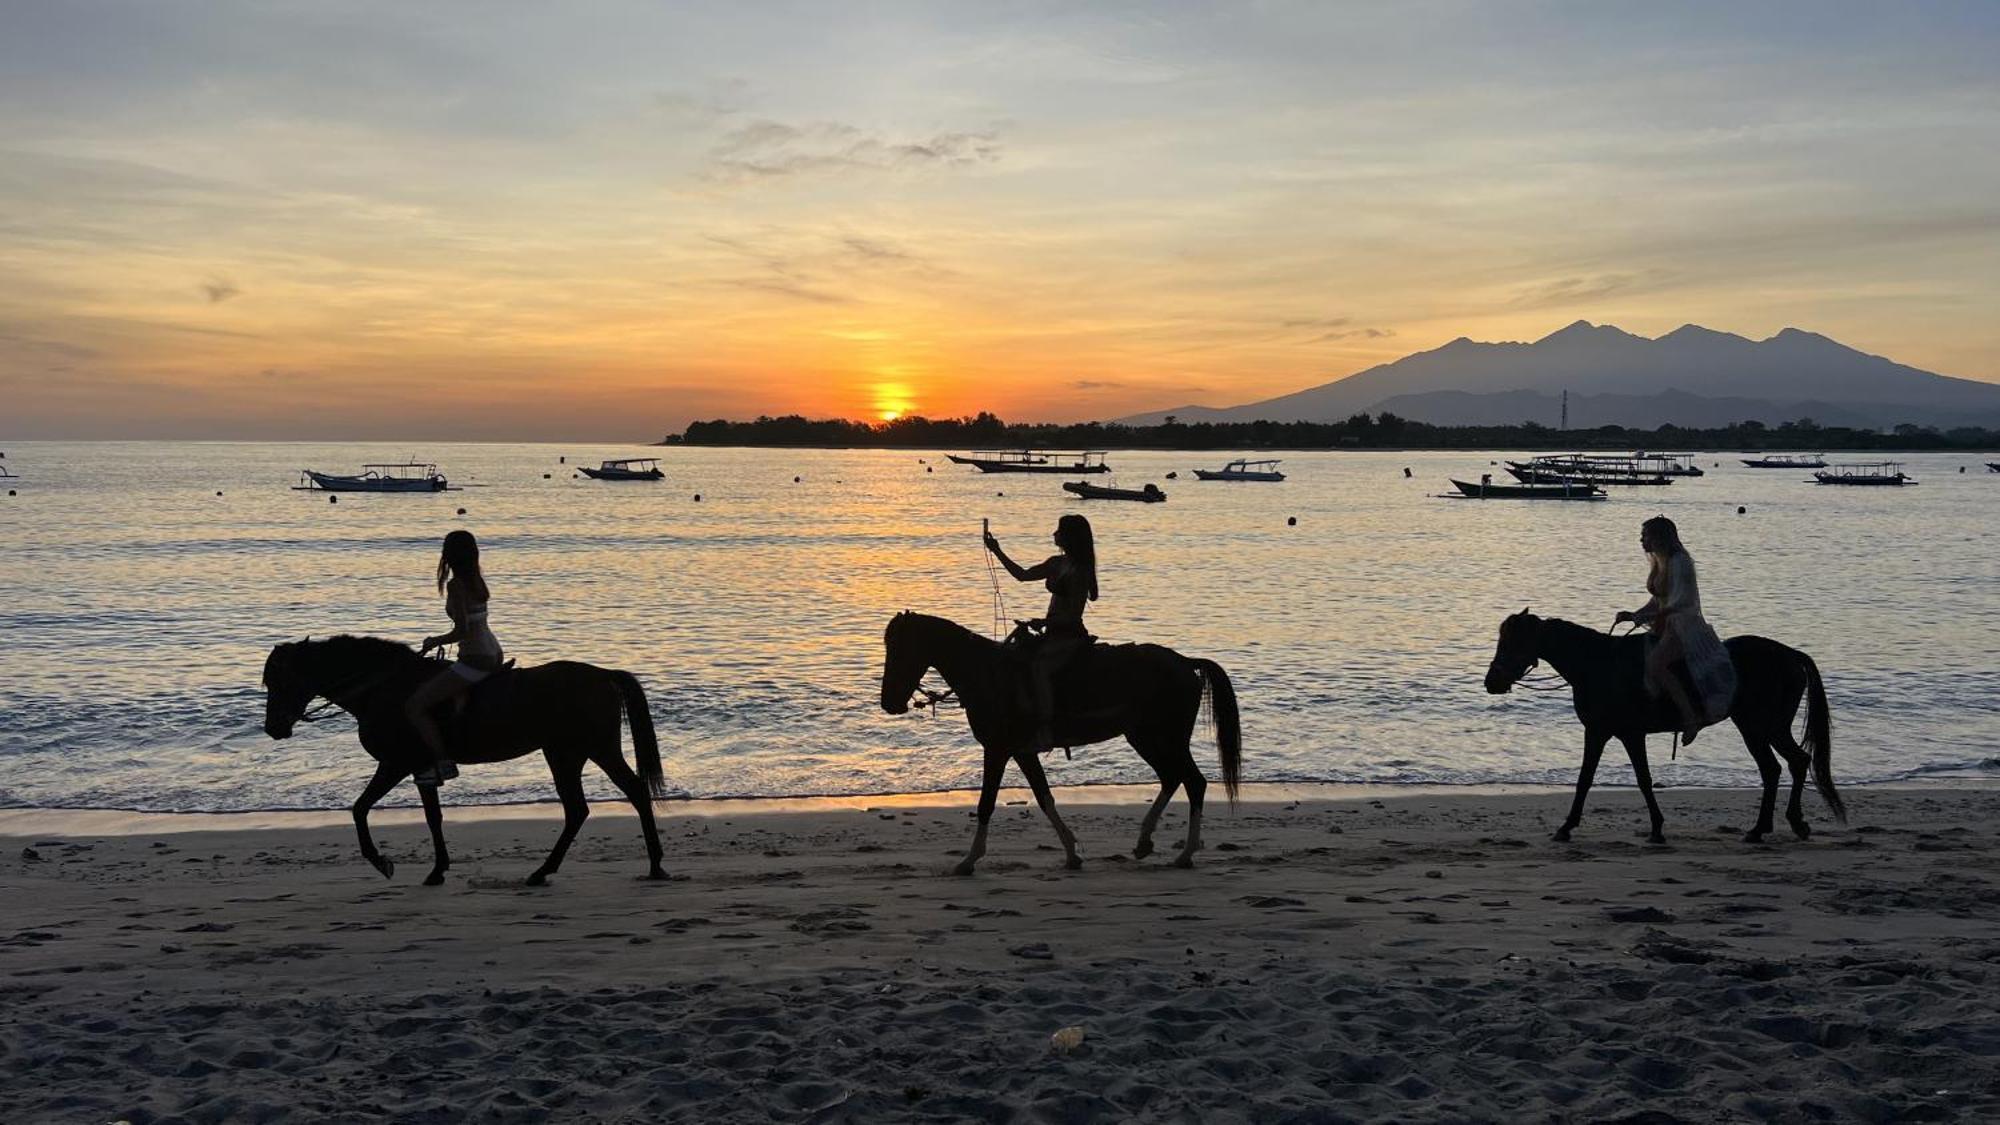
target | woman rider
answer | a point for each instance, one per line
(479, 654)
(1680, 634)
(1071, 578)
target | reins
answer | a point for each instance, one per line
(350, 687)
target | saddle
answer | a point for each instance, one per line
(464, 708)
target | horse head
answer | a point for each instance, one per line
(906, 658)
(1517, 652)
(286, 692)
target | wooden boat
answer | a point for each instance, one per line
(1881, 474)
(1787, 461)
(1243, 470)
(1640, 464)
(1993, 466)
(399, 476)
(626, 468)
(1033, 461)
(1487, 490)
(1150, 494)
(1534, 472)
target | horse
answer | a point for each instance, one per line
(1607, 676)
(1150, 694)
(567, 710)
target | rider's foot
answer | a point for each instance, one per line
(1687, 736)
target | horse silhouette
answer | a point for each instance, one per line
(1149, 694)
(567, 710)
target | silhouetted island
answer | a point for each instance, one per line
(1361, 431)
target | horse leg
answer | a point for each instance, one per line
(386, 777)
(989, 790)
(1593, 749)
(1799, 763)
(622, 775)
(1197, 786)
(1767, 765)
(434, 817)
(1170, 783)
(1635, 749)
(1031, 768)
(567, 769)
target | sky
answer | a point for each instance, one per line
(600, 221)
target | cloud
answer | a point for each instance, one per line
(793, 289)
(1352, 333)
(767, 150)
(219, 290)
(1096, 385)
(1572, 290)
(1316, 322)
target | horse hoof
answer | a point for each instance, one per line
(1183, 861)
(1073, 863)
(1561, 836)
(538, 879)
(1143, 850)
(434, 879)
(1657, 838)
(962, 869)
(386, 866)
(1802, 830)
(1754, 836)
(656, 875)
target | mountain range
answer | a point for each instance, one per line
(1692, 376)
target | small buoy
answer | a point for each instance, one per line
(920, 461)
(546, 476)
(1291, 521)
(795, 480)
(461, 511)
(1173, 476)
(218, 492)
(697, 497)
(1961, 469)
(562, 460)
(928, 469)
(999, 494)
(333, 499)
(1406, 472)
(11, 492)
(1740, 509)
(1493, 462)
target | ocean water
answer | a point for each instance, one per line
(142, 585)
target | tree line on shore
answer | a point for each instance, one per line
(1361, 431)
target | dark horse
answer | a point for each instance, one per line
(568, 711)
(1149, 694)
(1606, 676)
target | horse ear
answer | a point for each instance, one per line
(1524, 611)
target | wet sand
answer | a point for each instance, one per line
(1435, 957)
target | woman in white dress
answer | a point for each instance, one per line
(1680, 634)
(479, 653)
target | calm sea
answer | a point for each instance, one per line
(142, 584)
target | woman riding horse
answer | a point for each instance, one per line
(1071, 578)
(479, 652)
(1681, 636)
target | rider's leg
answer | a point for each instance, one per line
(1666, 673)
(422, 710)
(1043, 674)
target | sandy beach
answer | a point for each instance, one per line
(1434, 957)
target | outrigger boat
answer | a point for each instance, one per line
(402, 476)
(1032, 461)
(1640, 464)
(1538, 472)
(1150, 494)
(1243, 470)
(1487, 490)
(1878, 473)
(1787, 461)
(1993, 466)
(626, 468)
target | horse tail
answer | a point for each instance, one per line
(1219, 696)
(645, 743)
(1819, 739)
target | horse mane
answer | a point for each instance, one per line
(944, 625)
(347, 651)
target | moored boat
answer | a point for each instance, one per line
(1243, 470)
(388, 476)
(1150, 494)
(1033, 461)
(1993, 466)
(1536, 472)
(1487, 490)
(1886, 474)
(1787, 461)
(626, 468)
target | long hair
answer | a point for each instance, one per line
(460, 559)
(1668, 537)
(1073, 535)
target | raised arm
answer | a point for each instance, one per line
(1021, 573)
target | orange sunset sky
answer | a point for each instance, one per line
(604, 220)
